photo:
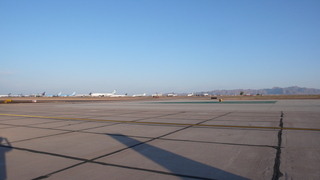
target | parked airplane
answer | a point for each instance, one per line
(124, 95)
(172, 95)
(139, 95)
(8, 95)
(103, 94)
(67, 95)
(19, 95)
(156, 95)
(82, 95)
(190, 94)
(36, 95)
(54, 95)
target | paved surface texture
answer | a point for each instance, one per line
(161, 139)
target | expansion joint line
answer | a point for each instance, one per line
(129, 147)
(189, 126)
(155, 138)
(158, 116)
(161, 123)
(276, 168)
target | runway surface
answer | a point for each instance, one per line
(161, 139)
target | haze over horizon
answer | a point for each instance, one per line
(157, 46)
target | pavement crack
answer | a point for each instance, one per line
(276, 168)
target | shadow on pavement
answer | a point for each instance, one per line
(175, 163)
(3, 150)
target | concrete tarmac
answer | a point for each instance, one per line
(161, 139)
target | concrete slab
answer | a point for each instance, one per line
(152, 113)
(207, 113)
(5, 110)
(301, 139)
(116, 118)
(49, 114)
(98, 171)
(75, 144)
(5, 126)
(203, 160)
(72, 115)
(300, 154)
(91, 109)
(28, 121)
(301, 117)
(300, 163)
(25, 133)
(92, 115)
(141, 116)
(58, 124)
(249, 118)
(189, 116)
(21, 112)
(306, 125)
(250, 113)
(35, 113)
(7, 118)
(242, 123)
(8, 111)
(147, 106)
(199, 152)
(149, 131)
(19, 164)
(180, 121)
(85, 125)
(228, 136)
(296, 105)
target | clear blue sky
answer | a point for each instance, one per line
(157, 46)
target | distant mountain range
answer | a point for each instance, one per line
(293, 90)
